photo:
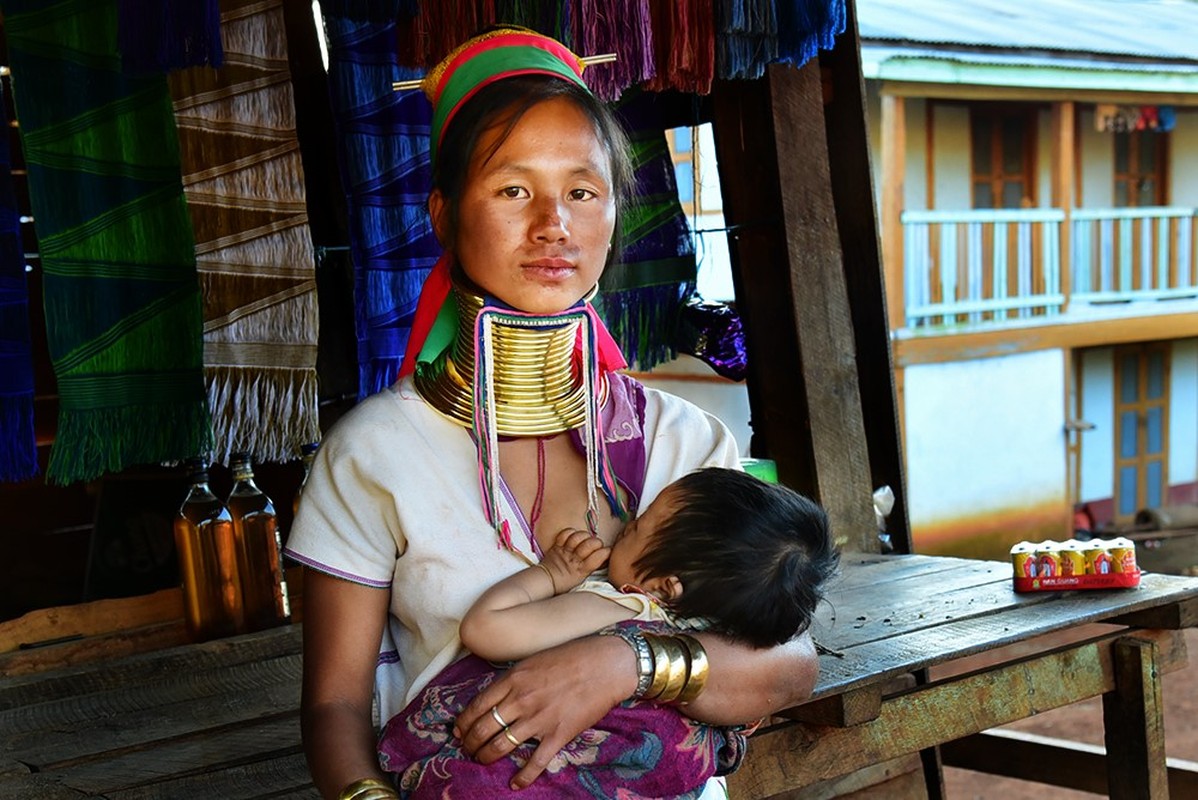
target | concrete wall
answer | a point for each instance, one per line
(985, 447)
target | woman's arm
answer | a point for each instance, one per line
(534, 609)
(343, 626)
(555, 695)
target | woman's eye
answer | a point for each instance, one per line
(581, 194)
(511, 191)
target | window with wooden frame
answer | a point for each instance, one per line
(1141, 427)
(1002, 141)
(1140, 159)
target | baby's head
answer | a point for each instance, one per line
(748, 556)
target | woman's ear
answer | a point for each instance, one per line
(438, 211)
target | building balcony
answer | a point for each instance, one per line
(996, 268)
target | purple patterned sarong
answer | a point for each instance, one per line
(639, 750)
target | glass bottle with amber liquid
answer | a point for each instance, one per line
(259, 550)
(207, 551)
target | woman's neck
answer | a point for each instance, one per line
(538, 389)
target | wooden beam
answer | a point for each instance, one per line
(963, 91)
(1131, 715)
(790, 285)
(849, 156)
(1057, 762)
(1005, 341)
(1062, 185)
(894, 148)
(793, 755)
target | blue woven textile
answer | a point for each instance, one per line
(18, 451)
(383, 152)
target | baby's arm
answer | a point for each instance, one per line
(534, 609)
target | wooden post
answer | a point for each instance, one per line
(1063, 164)
(790, 287)
(1131, 714)
(894, 149)
(857, 220)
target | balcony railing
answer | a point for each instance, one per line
(992, 266)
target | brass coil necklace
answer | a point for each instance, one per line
(538, 387)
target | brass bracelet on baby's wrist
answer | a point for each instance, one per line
(368, 789)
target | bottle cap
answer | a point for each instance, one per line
(196, 468)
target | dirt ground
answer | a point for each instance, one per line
(1083, 723)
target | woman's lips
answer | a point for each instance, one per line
(549, 269)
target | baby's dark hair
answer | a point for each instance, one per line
(752, 556)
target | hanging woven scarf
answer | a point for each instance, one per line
(121, 297)
(162, 35)
(383, 149)
(245, 192)
(18, 449)
(641, 294)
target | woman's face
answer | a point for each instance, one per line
(537, 213)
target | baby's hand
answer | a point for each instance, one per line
(574, 555)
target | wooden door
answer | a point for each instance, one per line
(1141, 427)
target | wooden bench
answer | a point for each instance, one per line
(220, 719)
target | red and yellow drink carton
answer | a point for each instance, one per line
(1056, 566)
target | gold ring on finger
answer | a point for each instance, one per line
(515, 742)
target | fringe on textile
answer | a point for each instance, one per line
(171, 431)
(807, 26)
(550, 17)
(243, 179)
(163, 35)
(642, 321)
(746, 38)
(265, 397)
(623, 27)
(684, 46)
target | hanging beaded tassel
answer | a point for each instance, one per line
(486, 437)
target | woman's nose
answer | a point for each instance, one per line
(549, 222)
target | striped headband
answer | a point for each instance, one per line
(502, 53)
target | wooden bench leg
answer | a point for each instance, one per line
(1135, 736)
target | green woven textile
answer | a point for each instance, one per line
(123, 317)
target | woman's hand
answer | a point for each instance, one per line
(574, 555)
(552, 697)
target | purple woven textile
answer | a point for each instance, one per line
(638, 750)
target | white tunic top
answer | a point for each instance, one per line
(393, 501)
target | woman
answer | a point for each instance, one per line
(512, 426)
